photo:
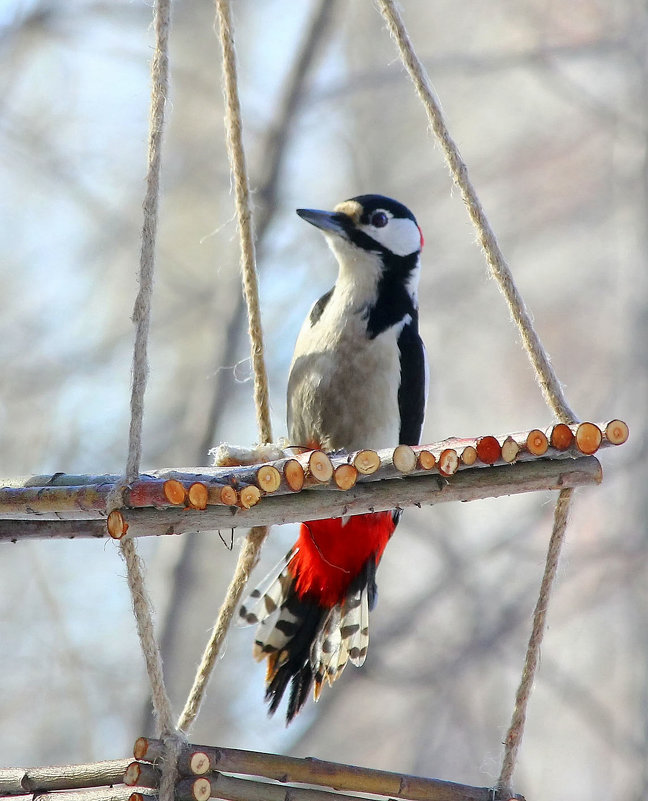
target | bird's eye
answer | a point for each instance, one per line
(379, 219)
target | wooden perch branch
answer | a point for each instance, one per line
(282, 490)
(118, 793)
(204, 763)
(467, 485)
(20, 781)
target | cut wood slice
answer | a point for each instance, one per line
(448, 462)
(268, 478)
(228, 495)
(201, 789)
(345, 476)
(537, 442)
(588, 438)
(320, 467)
(469, 455)
(249, 496)
(199, 763)
(488, 450)
(366, 462)
(510, 450)
(404, 459)
(617, 432)
(426, 460)
(141, 748)
(132, 774)
(116, 524)
(294, 475)
(174, 492)
(561, 436)
(198, 495)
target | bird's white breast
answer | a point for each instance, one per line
(343, 387)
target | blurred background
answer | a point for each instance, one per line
(549, 109)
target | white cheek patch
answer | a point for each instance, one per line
(401, 235)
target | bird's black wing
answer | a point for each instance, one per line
(412, 393)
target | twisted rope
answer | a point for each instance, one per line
(518, 719)
(499, 269)
(251, 547)
(539, 358)
(142, 607)
(236, 156)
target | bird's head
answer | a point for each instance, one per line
(374, 239)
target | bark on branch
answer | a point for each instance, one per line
(328, 501)
(19, 781)
(202, 765)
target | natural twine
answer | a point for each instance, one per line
(499, 269)
(251, 547)
(518, 719)
(142, 607)
(544, 371)
(236, 155)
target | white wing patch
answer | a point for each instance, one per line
(263, 607)
(343, 637)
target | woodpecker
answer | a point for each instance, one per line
(358, 379)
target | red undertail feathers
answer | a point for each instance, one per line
(312, 611)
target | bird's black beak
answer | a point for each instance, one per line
(332, 221)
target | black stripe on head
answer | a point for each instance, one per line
(371, 203)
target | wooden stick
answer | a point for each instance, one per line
(293, 474)
(249, 496)
(345, 476)
(617, 432)
(317, 467)
(448, 462)
(141, 774)
(561, 437)
(426, 460)
(588, 437)
(198, 495)
(366, 462)
(468, 455)
(314, 771)
(118, 793)
(88, 501)
(322, 502)
(84, 497)
(537, 442)
(488, 450)
(18, 781)
(219, 785)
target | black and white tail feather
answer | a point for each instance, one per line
(305, 643)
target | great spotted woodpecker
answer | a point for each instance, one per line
(358, 380)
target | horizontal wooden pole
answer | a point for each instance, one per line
(118, 793)
(72, 497)
(323, 502)
(285, 769)
(20, 781)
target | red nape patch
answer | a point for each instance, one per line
(330, 554)
(422, 237)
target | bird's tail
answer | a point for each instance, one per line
(312, 611)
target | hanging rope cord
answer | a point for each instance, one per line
(544, 372)
(142, 607)
(251, 547)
